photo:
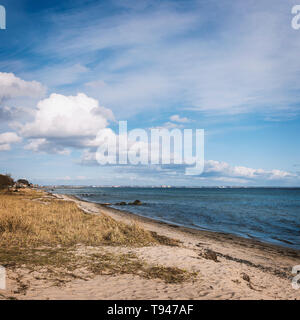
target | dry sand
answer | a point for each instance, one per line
(245, 269)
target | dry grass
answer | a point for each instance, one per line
(24, 222)
(107, 263)
(39, 232)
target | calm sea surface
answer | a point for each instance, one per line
(268, 214)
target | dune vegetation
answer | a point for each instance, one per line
(28, 218)
(39, 231)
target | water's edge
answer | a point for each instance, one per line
(216, 235)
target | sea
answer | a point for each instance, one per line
(270, 215)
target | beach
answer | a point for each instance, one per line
(220, 266)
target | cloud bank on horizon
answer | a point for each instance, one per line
(231, 68)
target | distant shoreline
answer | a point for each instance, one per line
(171, 187)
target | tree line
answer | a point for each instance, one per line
(7, 181)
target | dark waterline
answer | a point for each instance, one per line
(267, 214)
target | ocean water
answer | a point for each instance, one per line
(267, 214)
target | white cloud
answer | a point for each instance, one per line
(13, 87)
(177, 118)
(170, 125)
(45, 146)
(216, 169)
(215, 173)
(65, 116)
(10, 114)
(62, 121)
(17, 97)
(4, 147)
(7, 138)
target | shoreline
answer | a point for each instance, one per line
(273, 259)
(228, 266)
(215, 235)
(140, 258)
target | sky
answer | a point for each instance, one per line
(71, 68)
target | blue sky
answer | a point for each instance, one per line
(229, 67)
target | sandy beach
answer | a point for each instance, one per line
(225, 267)
(149, 150)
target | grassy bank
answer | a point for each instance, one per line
(29, 218)
(40, 232)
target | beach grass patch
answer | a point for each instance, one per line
(43, 234)
(25, 222)
(108, 263)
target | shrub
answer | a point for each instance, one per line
(6, 181)
(23, 181)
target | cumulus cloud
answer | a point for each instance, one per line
(12, 113)
(13, 87)
(216, 169)
(215, 172)
(8, 138)
(43, 145)
(17, 97)
(62, 121)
